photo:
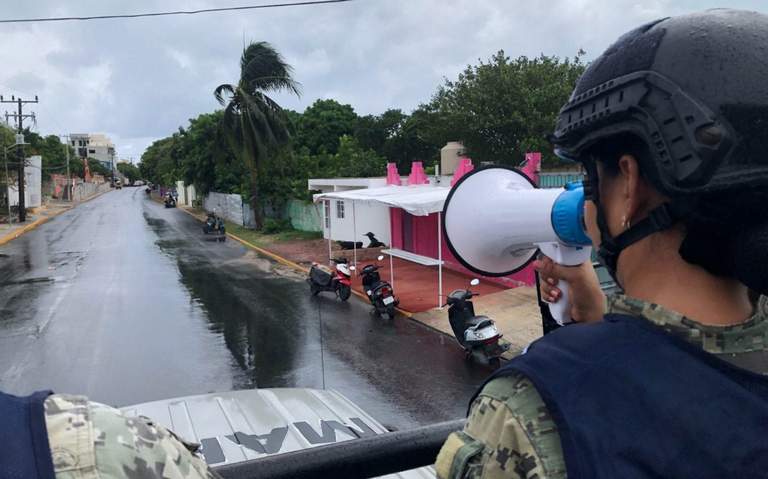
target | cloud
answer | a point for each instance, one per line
(139, 80)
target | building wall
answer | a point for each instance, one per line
(369, 217)
(33, 185)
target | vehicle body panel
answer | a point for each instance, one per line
(241, 425)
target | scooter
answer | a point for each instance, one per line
(214, 224)
(478, 335)
(339, 280)
(380, 293)
(170, 201)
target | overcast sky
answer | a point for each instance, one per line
(139, 80)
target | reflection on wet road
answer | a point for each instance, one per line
(125, 301)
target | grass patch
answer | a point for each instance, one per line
(261, 239)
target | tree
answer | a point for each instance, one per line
(322, 124)
(503, 108)
(130, 170)
(254, 123)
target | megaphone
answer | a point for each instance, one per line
(495, 220)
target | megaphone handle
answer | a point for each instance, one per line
(559, 309)
(568, 256)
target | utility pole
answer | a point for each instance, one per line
(69, 177)
(20, 116)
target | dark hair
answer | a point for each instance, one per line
(726, 233)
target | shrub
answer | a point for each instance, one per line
(273, 225)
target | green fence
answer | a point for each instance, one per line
(558, 179)
(304, 216)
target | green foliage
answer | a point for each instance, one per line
(253, 123)
(276, 225)
(499, 108)
(130, 170)
(52, 151)
(99, 168)
(503, 108)
(322, 124)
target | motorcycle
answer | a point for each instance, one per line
(170, 201)
(214, 224)
(339, 280)
(478, 335)
(380, 293)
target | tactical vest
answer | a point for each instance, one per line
(632, 401)
(24, 449)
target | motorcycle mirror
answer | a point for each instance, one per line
(474, 282)
(352, 268)
(381, 257)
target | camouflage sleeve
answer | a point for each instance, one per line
(90, 441)
(509, 433)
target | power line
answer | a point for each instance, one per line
(174, 12)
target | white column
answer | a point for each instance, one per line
(391, 271)
(354, 234)
(440, 259)
(330, 220)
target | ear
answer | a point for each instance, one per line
(633, 188)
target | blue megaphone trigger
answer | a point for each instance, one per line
(568, 216)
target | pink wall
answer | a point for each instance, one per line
(425, 244)
(396, 227)
(424, 233)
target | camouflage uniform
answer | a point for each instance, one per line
(91, 440)
(510, 433)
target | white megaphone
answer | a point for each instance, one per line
(495, 220)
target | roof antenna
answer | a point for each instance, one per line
(322, 346)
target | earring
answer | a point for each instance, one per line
(625, 222)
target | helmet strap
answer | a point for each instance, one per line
(659, 219)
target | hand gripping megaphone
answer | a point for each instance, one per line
(495, 220)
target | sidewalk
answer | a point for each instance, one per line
(515, 311)
(35, 217)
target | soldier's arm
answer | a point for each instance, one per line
(509, 433)
(93, 440)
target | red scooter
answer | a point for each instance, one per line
(339, 280)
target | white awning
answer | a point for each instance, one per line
(419, 200)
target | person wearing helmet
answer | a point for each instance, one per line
(667, 379)
(47, 435)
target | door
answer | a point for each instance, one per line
(407, 231)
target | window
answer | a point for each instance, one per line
(327, 215)
(340, 209)
(73, 142)
(93, 152)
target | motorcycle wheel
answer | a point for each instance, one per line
(391, 312)
(313, 289)
(344, 292)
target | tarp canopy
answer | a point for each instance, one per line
(418, 200)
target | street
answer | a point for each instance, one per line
(125, 301)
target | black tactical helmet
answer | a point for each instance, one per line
(694, 91)
(694, 88)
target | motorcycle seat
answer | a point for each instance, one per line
(479, 322)
(321, 275)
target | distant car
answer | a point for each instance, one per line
(118, 184)
(138, 183)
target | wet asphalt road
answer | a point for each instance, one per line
(125, 301)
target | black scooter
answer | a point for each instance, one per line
(214, 224)
(478, 335)
(380, 293)
(170, 201)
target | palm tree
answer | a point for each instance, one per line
(253, 123)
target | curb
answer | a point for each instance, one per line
(296, 266)
(27, 228)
